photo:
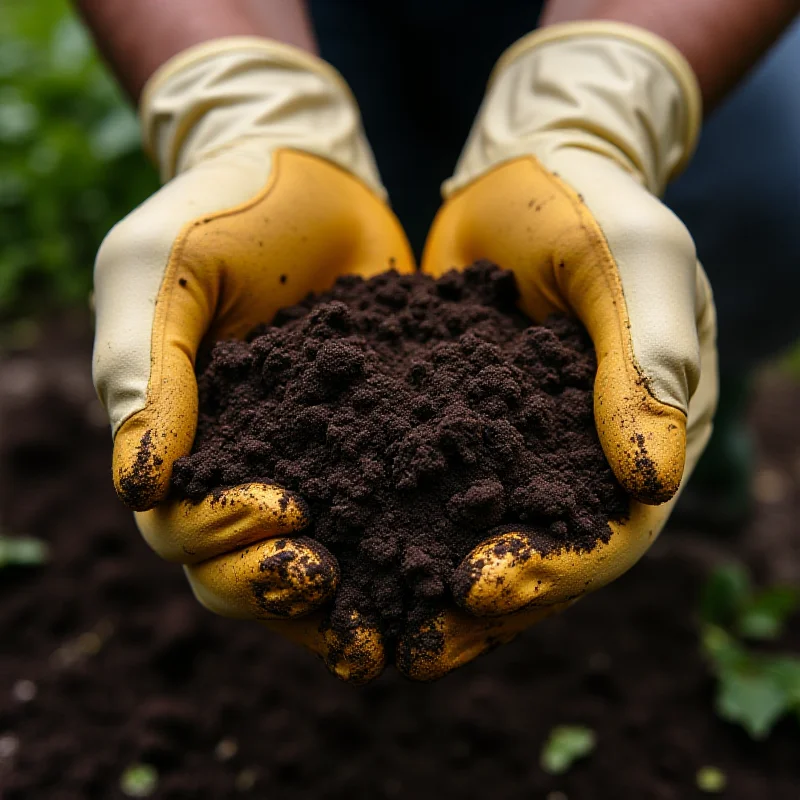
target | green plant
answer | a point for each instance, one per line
(730, 601)
(565, 745)
(754, 689)
(70, 162)
(711, 780)
(139, 780)
(22, 551)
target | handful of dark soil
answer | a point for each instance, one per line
(413, 415)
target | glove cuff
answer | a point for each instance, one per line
(608, 87)
(216, 94)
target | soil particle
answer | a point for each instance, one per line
(415, 416)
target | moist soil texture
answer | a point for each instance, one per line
(107, 660)
(414, 416)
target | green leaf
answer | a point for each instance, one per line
(755, 701)
(22, 551)
(726, 593)
(565, 745)
(785, 672)
(139, 780)
(711, 780)
(18, 117)
(765, 615)
(70, 47)
(15, 57)
(725, 653)
(116, 135)
(70, 164)
(753, 690)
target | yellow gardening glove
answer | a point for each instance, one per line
(271, 192)
(582, 126)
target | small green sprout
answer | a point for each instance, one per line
(22, 551)
(754, 689)
(711, 780)
(139, 780)
(566, 745)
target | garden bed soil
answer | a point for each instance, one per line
(107, 660)
(413, 415)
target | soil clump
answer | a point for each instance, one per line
(414, 416)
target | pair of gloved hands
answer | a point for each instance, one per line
(271, 192)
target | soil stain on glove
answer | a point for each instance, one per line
(414, 416)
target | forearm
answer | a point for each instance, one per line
(721, 39)
(138, 37)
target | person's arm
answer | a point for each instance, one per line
(721, 39)
(137, 38)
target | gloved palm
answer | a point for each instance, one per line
(271, 194)
(581, 129)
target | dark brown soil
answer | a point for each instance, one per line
(414, 416)
(126, 666)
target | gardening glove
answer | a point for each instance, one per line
(581, 129)
(271, 193)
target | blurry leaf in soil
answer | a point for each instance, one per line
(566, 745)
(755, 701)
(767, 612)
(22, 551)
(725, 594)
(730, 601)
(711, 780)
(725, 653)
(785, 672)
(139, 780)
(754, 690)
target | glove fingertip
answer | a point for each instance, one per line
(646, 453)
(420, 652)
(298, 576)
(279, 579)
(643, 439)
(357, 656)
(141, 468)
(504, 573)
(280, 511)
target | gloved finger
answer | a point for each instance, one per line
(356, 655)
(276, 578)
(453, 638)
(147, 443)
(525, 568)
(152, 312)
(642, 313)
(189, 532)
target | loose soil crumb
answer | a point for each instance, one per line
(414, 416)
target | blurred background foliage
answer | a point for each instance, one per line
(70, 160)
